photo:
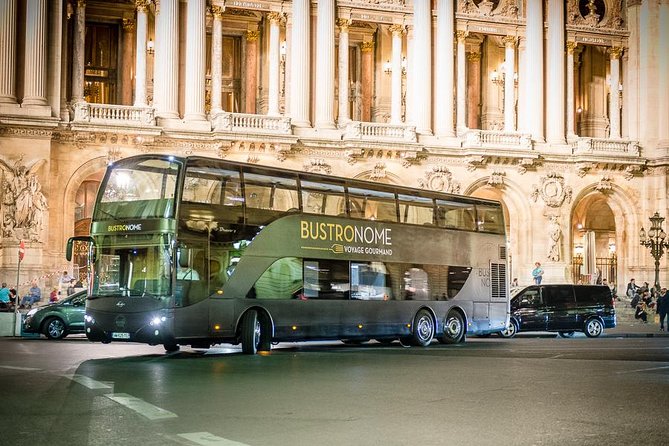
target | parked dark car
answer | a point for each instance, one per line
(563, 309)
(59, 319)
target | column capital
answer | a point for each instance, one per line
(473, 57)
(142, 5)
(631, 3)
(81, 3)
(397, 30)
(509, 41)
(275, 18)
(367, 46)
(344, 24)
(571, 46)
(461, 36)
(128, 25)
(217, 12)
(252, 36)
(615, 52)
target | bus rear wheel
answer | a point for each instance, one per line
(423, 329)
(454, 328)
(255, 333)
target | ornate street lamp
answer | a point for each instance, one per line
(656, 241)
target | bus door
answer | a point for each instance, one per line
(191, 291)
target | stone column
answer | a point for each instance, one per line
(34, 74)
(534, 68)
(7, 51)
(251, 70)
(325, 64)
(422, 63)
(166, 66)
(140, 53)
(78, 53)
(55, 57)
(64, 112)
(217, 61)
(614, 94)
(411, 76)
(367, 80)
(396, 81)
(571, 127)
(343, 117)
(274, 61)
(461, 84)
(509, 83)
(195, 61)
(445, 65)
(300, 64)
(555, 104)
(663, 73)
(128, 39)
(473, 89)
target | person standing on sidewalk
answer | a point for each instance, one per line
(662, 307)
(537, 273)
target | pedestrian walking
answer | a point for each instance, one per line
(662, 307)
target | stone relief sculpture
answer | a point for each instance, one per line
(24, 206)
(555, 236)
(553, 190)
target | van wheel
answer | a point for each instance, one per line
(566, 334)
(454, 328)
(423, 329)
(593, 327)
(510, 330)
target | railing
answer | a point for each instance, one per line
(494, 138)
(601, 146)
(244, 123)
(375, 131)
(114, 114)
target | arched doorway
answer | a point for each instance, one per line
(594, 241)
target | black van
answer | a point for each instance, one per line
(562, 308)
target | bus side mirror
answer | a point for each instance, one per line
(70, 246)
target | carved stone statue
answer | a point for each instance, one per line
(555, 235)
(23, 204)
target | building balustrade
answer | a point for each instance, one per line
(497, 139)
(108, 114)
(602, 146)
(375, 131)
(244, 123)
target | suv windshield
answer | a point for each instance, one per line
(132, 271)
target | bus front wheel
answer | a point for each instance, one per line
(454, 328)
(255, 333)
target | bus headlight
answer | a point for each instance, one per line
(158, 320)
(88, 318)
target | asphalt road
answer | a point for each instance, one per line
(523, 391)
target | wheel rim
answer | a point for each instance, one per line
(594, 328)
(425, 328)
(56, 328)
(256, 334)
(453, 327)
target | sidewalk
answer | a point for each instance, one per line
(628, 327)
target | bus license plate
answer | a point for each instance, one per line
(120, 335)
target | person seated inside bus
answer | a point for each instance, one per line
(187, 273)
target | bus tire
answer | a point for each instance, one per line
(454, 328)
(422, 329)
(171, 347)
(254, 334)
(265, 341)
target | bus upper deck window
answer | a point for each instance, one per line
(372, 204)
(322, 198)
(456, 215)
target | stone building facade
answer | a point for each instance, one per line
(559, 109)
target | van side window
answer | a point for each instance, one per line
(530, 299)
(559, 296)
(593, 295)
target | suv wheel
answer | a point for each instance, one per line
(510, 330)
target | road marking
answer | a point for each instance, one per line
(27, 369)
(141, 407)
(207, 439)
(650, 369)
(89, 382)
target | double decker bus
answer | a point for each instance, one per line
(200, 251)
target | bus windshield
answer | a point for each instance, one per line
(132, 271)
(138, 189)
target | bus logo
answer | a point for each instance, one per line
(120, 304)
